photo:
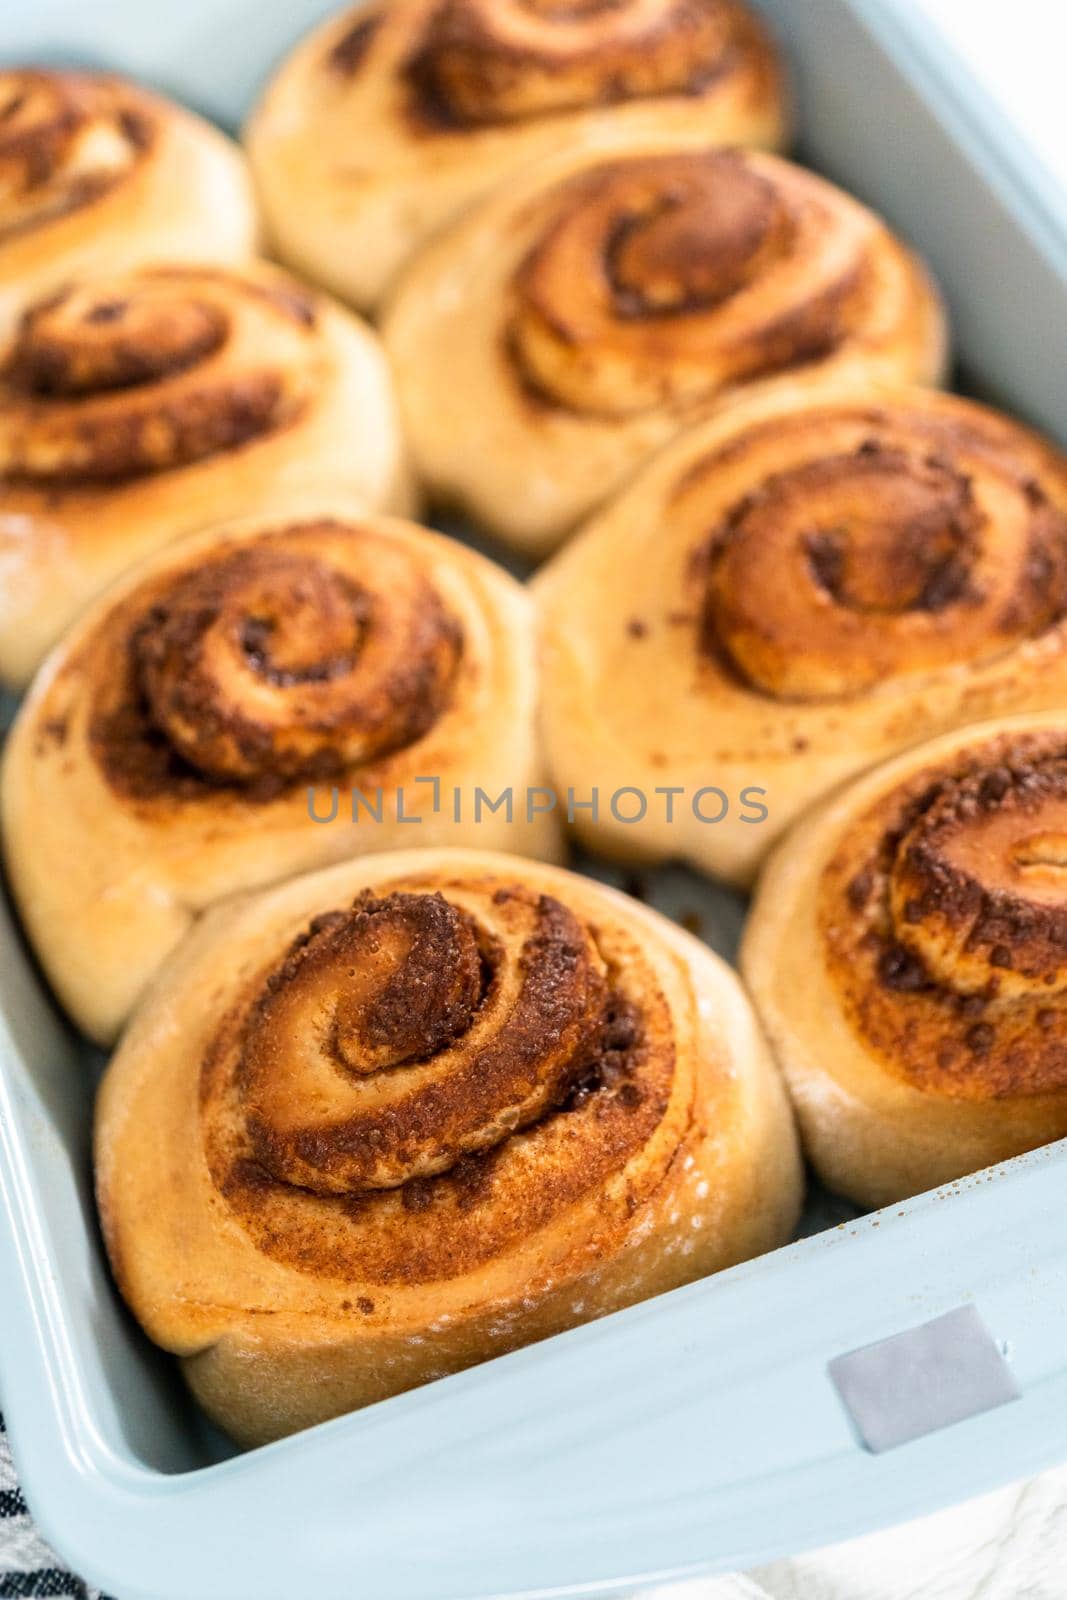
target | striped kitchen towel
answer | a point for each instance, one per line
(28, 1568)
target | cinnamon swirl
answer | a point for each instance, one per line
(139, 406)
(566, 329)
(254, 702)
(908, 951)
(796, 590)
(97, 175)
(393, 117)
(406, 1114)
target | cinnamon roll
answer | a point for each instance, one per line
(257, 701)
(907, 952)
(98, 175)
(400, 1116)
(138, 406)
(795, 591)
(393, 117)
(574, 324)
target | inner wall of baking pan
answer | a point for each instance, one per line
(888, 111)
(864, 125)
(136, 1390)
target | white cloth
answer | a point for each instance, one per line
(1011, 1545)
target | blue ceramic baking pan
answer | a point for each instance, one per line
(698, 1432)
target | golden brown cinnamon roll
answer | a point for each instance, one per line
(908, 954)
(406, 1114)
(97, 175)
(572, 325)
(793, 592)
(140, 406)
(393, 117)
(254, 702)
